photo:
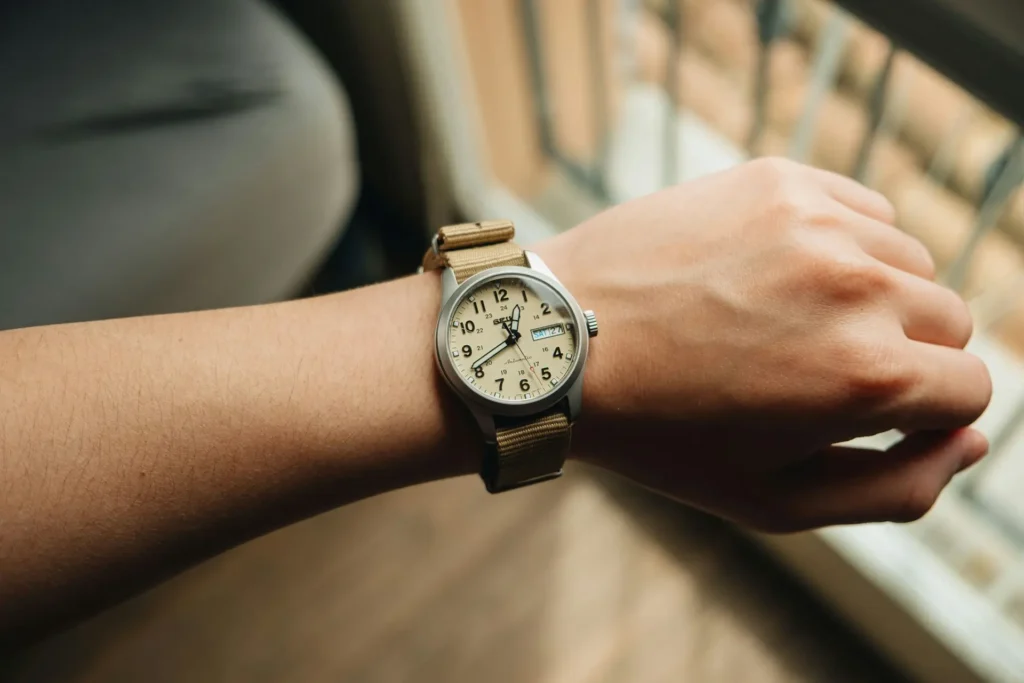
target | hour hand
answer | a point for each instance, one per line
(490, 354)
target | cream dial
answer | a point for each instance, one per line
(513, 339)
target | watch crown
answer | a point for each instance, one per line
(591, 322)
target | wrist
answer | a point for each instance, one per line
(411, 428)
(600, 410)
(452, 445)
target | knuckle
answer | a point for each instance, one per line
(887, 212)
(863, 279)
(819, 266)
(982, 396)
(826, 217)
(874, 375)
(815, 265)
(924, 258)
(784, 191)
(917, 501)
(775, 166)
(961, 321)
(986, 392)
(843, 278)
(820, 212)
(787, 205)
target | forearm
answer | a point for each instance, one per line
(751, 320)
(132, 448)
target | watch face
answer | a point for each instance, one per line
(513, 339)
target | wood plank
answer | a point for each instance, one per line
(586, 580)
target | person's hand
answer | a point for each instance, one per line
(755, 318)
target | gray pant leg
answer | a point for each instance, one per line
(162, 156)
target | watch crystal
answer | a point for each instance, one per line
(512, 339)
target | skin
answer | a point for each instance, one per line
(749, 321)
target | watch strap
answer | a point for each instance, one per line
(527, 450)
(469, 248)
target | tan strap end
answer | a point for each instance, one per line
(469, 248)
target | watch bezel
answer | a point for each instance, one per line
(502, 406)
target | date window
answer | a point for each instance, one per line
(547, 332)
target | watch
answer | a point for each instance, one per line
(512, 344)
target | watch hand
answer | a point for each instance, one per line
(513, 335)
(492, 353)
(515, 318)
(515, 341)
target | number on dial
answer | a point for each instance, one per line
(528, 330)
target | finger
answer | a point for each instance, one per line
(845, 485)
(931, 313)
(888, 244)
(944, 388)
(863, 200)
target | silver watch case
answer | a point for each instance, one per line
(485, 408)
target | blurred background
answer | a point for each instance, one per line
(208, 153)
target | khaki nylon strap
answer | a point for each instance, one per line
(469, 248)
(527, 450)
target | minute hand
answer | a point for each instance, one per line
(490, 354)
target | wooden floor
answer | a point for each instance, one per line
(585, 579)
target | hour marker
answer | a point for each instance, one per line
(568, 356)
(455, 354)
(455, 324)
(471, 298)
(554, 381)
